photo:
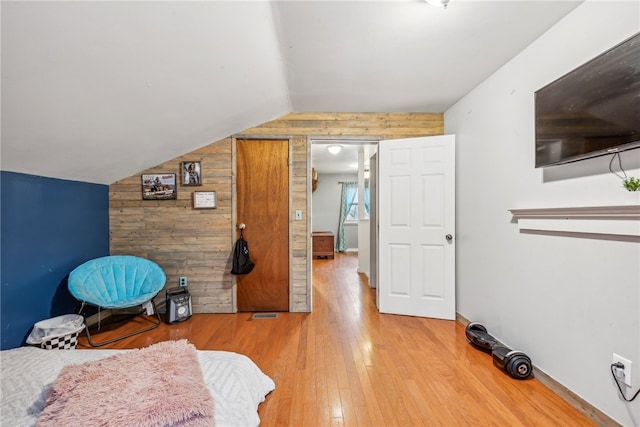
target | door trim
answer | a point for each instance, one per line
(324, 139)
(234, 207)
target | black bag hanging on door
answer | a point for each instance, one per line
(242, 264)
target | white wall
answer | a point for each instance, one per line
(325, 207)
(568, 302)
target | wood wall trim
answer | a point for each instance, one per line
(291, 219)
(234, 222)
(309, 247)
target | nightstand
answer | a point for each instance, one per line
(323, 245)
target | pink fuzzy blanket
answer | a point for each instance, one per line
(160, 385)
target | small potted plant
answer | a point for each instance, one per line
(631, 183)
(632, 195)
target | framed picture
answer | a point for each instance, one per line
(159, 186)
(191, 173)
(204, 199)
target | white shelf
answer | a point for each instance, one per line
(608, 220)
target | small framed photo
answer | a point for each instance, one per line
(159, 186)
(204, 199)
(191, 173)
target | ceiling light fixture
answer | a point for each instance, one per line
(438, 3)
(334, 149)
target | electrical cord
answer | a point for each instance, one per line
(624, 174)
(618, 365)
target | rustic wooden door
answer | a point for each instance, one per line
(262, 195)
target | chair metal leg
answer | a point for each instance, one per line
(155, 324)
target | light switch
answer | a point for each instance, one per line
(298, 214)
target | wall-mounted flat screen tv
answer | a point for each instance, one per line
(591, 111)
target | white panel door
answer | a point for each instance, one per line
(416, 217)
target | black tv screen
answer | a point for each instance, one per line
(591, 111)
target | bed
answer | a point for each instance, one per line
(28, 374)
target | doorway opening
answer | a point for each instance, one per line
(339, 219)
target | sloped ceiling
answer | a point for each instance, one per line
(97, 91)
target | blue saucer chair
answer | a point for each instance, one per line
(115, 283)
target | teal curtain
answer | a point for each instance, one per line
(366, 198)
(349, 192)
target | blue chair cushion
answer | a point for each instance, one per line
(118, 281)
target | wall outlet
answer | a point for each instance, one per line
(183, 281)
(623, 375)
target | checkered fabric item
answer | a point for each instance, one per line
(66, 342)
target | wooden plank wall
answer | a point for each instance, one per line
(198, 243)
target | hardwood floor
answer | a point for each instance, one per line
(347, 365)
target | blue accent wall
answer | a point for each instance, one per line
(48, 227)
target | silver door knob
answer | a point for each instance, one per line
(449, 237)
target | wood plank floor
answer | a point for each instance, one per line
(347, 365)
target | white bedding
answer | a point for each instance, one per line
(235, 382)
